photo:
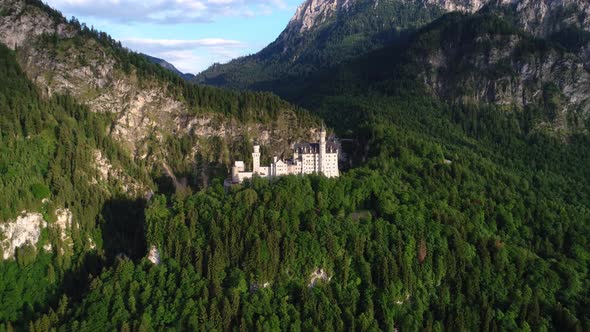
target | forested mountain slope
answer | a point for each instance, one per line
(510, 54)
(476, 59)
(48, 170)
(322, 34)
(86, 130)
(446, 227)
(149, 104)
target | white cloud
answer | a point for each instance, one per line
(265, 9)
(179, 43)
(185, 61)
(163, 11)
(189, 56)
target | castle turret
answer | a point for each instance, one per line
(256, 159)
(322, 149)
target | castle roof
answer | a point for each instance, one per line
(304, 148)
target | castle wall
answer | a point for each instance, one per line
(310, 163)
(244, 175)
(309, 159)
(280, 168)
(330, 163)
(294, 168)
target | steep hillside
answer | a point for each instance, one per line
(475, 59)
(322, 34)
(509, 54)
(150, 106)
(67, 193)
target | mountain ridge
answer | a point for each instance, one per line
(317, 23)
(537, 60)
(167, 65)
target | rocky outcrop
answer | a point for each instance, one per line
(494, 69)
(539, 17)
(27, 227)
(313, 13)
(318, 275)
(110, 174)
(154, 255)
(25, 230)
(64, 220)
(455, 5)
(19, 24)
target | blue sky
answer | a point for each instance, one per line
(190, 34)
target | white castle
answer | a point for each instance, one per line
(308, 158)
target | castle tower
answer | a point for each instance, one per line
(322, 149)
(256, 158)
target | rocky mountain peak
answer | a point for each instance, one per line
(535, 16)
(312, 13)
(20, 23)
(539, 17)
(458, 5)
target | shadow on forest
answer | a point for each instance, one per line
(122, 224)
(123, 228)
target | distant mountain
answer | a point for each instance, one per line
(167, 65)
(480, 60)
(324, 33)
(506, 53)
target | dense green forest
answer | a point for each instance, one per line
(428, 235)
(460, 219)
(47, 152)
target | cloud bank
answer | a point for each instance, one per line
(189, 56)
(167, 11)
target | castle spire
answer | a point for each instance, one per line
(256, 158)
(322, 152)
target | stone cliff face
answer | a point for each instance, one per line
(87, 72)
(145, 110)
(17, 29)
(455, 5)
(500, 76)
(539, 17)
(26, 229)
(312, 13)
